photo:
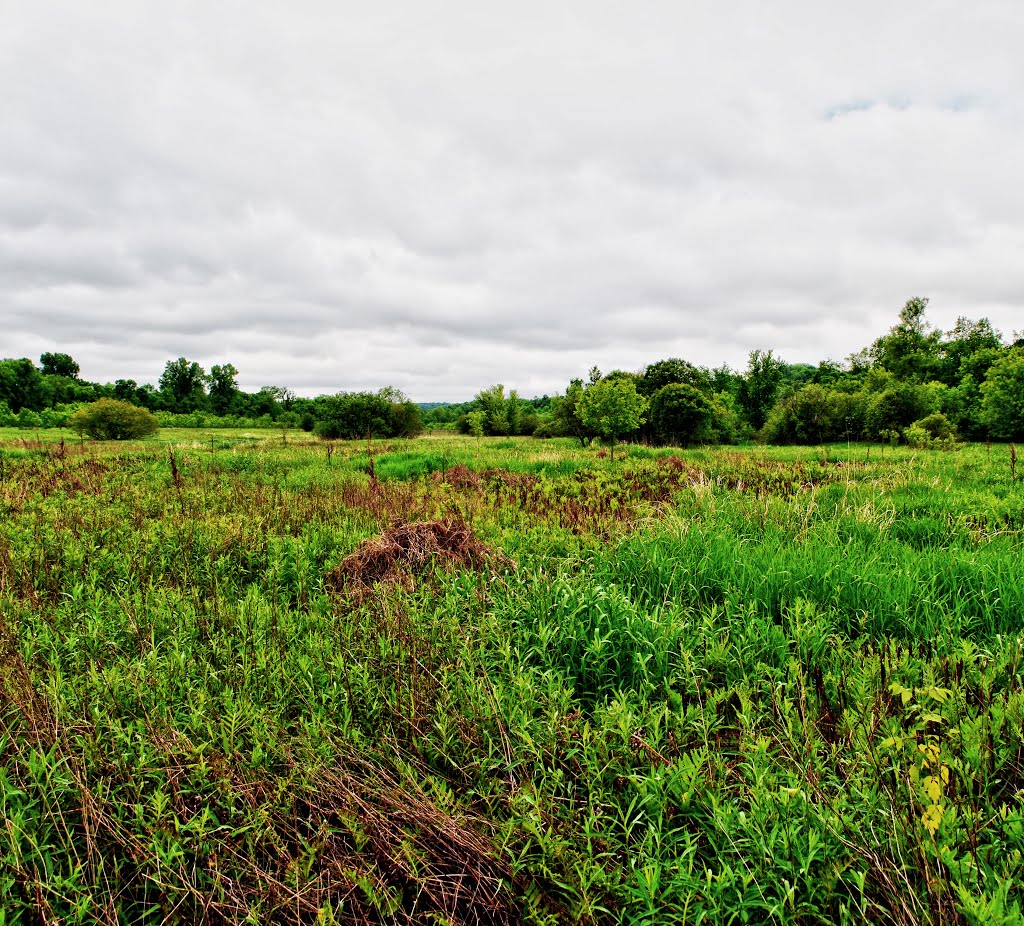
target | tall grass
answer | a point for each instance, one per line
(721, 686)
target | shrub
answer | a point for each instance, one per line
(814, 415)
(933, 431)
(111, 419)
(937, 426)
(28, 419)
(681, 414)
(896, 408)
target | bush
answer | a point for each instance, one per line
(355, 415)
(681, 414)
(814, 415)
(937, 426)
(896, 408)
(931, 432)
(111, 419)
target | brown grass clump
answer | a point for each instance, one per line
(459, 477)
(407, 550)
(505, 478)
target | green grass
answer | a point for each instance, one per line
(739, 686)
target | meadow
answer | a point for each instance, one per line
(252, 677)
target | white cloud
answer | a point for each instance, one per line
(441, 196)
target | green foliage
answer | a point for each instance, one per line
(182, 386)
(111, 419)
(815, 415)
(759, 386)
(911, 349)
(566, 420)
(475, 422)
(1003, 396)
(64, 365)
(223, 389)
(969, 350)
(357, 415)
(937, 426)
(612, 408)
(673, 371)
(896, 408)
(22, 385)
(496, 415)
(681, 414)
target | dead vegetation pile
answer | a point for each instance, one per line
(458, 476)
(408, 550)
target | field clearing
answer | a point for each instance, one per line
(254, 677)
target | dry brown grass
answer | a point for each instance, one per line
(408, 550)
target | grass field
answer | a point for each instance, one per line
(254, 678)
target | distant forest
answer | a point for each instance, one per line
(914, 384)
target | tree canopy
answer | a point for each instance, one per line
(612, 407)
(970, 376)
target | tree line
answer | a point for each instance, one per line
(915, 383)
(52, 393)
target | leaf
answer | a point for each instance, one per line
(932, 817)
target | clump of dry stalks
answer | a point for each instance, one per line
(407, 550)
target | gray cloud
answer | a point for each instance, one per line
(448, 195)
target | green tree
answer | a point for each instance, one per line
(495, 406)
(181, 386)
(759, 386)
(222, 387)
(969, 350)
(355, 415)
(682, 414)
(814, 415)
(896, 408)
(475, 423)
(126, 390)
(673, 370)
(111, 419)
(1003, 396)
(22, 385)
(612, 408)
(565, 415)
(59, 365)
(911, 350)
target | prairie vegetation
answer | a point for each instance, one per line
(253, 679)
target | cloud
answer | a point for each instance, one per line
(444, 196)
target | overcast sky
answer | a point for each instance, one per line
(440, 196)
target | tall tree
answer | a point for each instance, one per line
(222, 387)
(911, 349)
(59, 365)
(181, 385)
(126, 390)
(1003, 396)
(759, 386)
(969, 350)
(565, 414)
(22, 385)
(673, 370)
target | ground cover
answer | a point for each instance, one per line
(263, 678)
